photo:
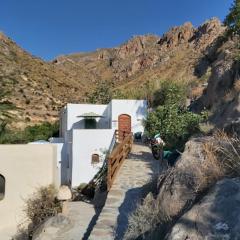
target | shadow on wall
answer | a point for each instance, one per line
(141, 110)
(65, 166)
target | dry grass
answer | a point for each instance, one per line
(229, 152)
(229, 95)
(237, 85)
(207, 127)
(145, 218)
(222, 155)
(41, 205)
(196, 92)
(211, 170)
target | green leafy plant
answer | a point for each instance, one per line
(175, 125)
(170, 93)
(171, 118)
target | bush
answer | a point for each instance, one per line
(31, 133)
(102, 94)
(42, 205)
(172, 119)
(174, 125)
(170, 93)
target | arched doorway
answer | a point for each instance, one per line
(124, 125)
(2, 187)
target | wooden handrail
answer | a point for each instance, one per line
(118, 155)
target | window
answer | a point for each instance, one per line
(95, 159)
(2, 187)
(90, 123)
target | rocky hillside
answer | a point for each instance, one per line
(38, 89)
(173, 56)
(221, 96)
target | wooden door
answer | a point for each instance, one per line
(124, 125)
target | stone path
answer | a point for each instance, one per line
(125, 193)
(81, 215)
(83, 221)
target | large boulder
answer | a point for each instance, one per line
(52, 227)
(181, 187)
(216, 216)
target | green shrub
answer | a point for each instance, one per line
(172, 119)
(170, 93)
(175, 125)
(31, 133)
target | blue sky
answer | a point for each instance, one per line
(48, 28)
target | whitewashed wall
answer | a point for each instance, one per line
(25, 168)
(137, 109)
(85, 143)
(62, 160)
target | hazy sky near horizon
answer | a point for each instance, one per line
(48, 28)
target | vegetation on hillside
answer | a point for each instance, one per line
(5, 107)
(171, 118)
(232, 20)
(104, 93)
(31, 133)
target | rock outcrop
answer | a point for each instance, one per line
(181, 187)
(216, 216)
(221, 95)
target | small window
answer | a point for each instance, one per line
(95, 159)
(90, 123)
(2, 187)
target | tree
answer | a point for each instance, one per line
(232, 20)
(171, 118)
(102, 93)
(170, 93)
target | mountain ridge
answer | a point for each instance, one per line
(39, 89)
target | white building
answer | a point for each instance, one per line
(87, 134)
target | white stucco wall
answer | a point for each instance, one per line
(75, 110)
(25, 168)
(62, 160)
(85, 143)
(137, 109)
